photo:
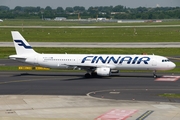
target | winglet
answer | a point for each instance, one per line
(21, 45)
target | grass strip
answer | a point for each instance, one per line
(169, 34)
(170, 95)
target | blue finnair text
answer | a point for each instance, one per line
(116, 60)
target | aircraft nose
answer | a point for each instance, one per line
(172, 66)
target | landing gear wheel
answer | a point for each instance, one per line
(94, 74)
(87, 75)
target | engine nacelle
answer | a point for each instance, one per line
(103, 71)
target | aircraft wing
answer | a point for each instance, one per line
(89, 67)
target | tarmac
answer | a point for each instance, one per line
(120, 26)
(99, 45)
(36, 95)
(42, 107)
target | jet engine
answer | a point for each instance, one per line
(103, 71)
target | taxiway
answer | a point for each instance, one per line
(68, 95)
(99, 45)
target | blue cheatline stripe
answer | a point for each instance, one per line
(145, 115)
(21, 43)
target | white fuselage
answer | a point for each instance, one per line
(118, 62)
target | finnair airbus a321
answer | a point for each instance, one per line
(94, 64)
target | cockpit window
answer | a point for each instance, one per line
(165, 60)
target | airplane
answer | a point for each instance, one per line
(94, 64)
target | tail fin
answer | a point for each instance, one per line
(21, 45)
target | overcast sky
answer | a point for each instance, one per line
(88, 3)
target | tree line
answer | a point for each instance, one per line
(109, 12)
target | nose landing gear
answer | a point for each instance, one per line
(154, 74)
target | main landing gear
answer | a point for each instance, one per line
(88, 75)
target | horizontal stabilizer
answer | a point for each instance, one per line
(16, 57)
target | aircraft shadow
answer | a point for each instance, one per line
(44, 74)
(81, 76)
(78, 76)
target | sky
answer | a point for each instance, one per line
(88, 3)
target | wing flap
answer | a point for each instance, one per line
(87, 67)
